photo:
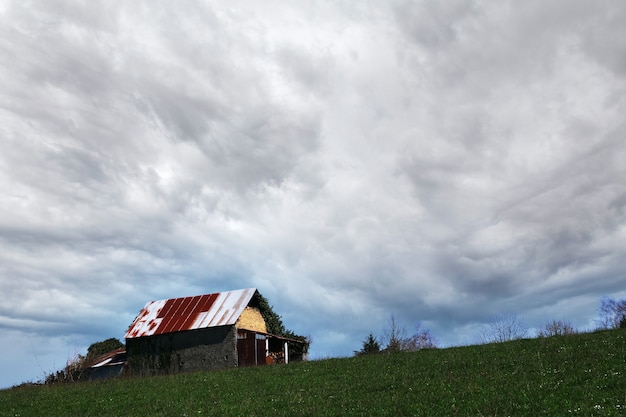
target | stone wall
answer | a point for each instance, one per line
(192, 350)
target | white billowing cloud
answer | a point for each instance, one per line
(442, 162)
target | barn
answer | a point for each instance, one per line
(210, 331)
(105, 366)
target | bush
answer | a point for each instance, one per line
(556, 328)
(422, 339)
(612, 313)
(72, 371)
(396, 340)
(506, 328)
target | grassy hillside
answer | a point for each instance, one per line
(574, 375)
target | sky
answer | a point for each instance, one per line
(441, 162)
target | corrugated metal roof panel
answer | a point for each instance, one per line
(189, 313)
(109, 358)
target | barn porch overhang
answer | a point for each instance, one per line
(267, 348)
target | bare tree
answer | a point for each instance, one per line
(422, 339)
(395, 338)
(393, 335)
(556, 328)
(612, 313)
(506, 327)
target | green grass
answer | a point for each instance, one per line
(574, 375)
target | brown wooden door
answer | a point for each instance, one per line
(260, 351)
(246, 351)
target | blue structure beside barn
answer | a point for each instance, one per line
(106, 366)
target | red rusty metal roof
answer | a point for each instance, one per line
(189, 313)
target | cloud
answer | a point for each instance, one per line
(442, 162)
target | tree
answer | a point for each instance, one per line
(506, 327)
(370, 346)
(393, 335)
(422, 339)
(396, 340)
(556, 328)
(274, 324)
(105, 346)
(612, 313)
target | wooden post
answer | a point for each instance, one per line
(286, 353)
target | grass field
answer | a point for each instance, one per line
(574, 375)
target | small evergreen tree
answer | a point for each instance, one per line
(370, 346)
